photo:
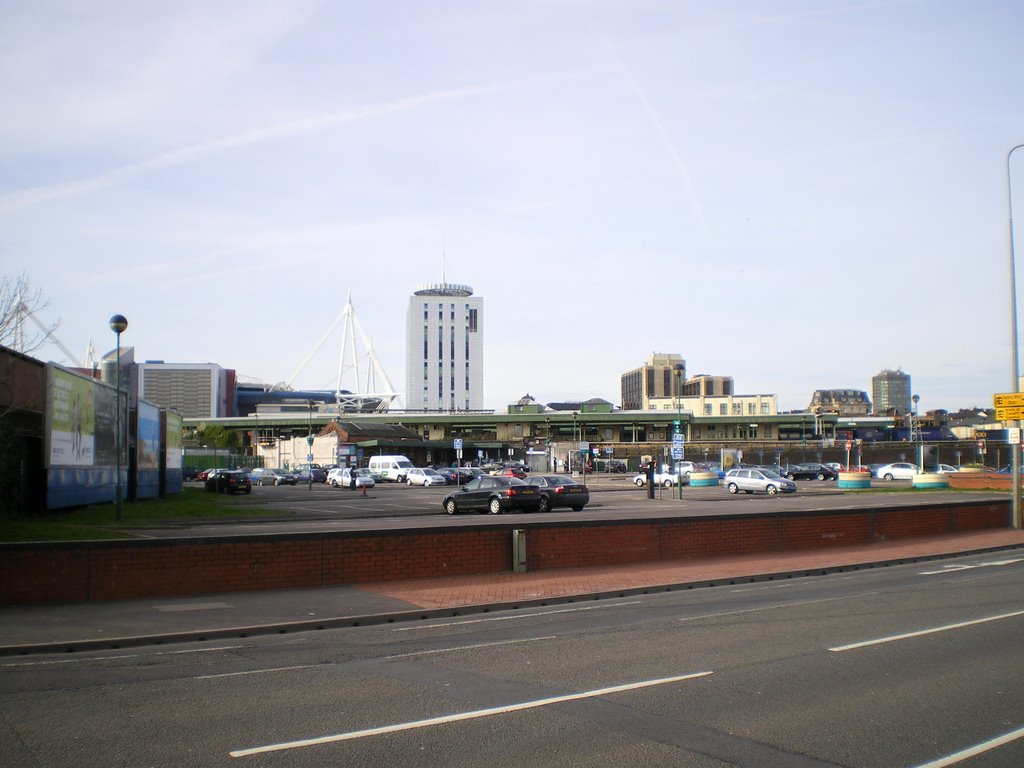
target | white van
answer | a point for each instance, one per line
(391, 468)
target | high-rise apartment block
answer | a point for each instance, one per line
(444, 353)
(890, 392)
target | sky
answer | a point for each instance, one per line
(797, 194)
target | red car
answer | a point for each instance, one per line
(511, 472)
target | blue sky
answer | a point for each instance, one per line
(796, 194)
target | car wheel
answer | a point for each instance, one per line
(791, 476)
(771, 490)
(639, 482)
(409, 482)
(494, 507)
(545, 504)
(666, 484)
(888, 476)
(451, 507)
(733, 488)
(821, 475)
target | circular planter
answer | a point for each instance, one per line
(971, 470)
(854, 480)
(703, 479)
(930, 480)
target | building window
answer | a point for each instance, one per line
(723, 409)
(751, 409)
(472, 321)
(737, 409)
(707, 409)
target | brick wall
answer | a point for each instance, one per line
(84, 571)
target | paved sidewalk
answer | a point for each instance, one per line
(121, 624)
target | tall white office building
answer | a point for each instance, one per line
(444, 352)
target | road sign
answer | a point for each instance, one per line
(1013, 436)
(1009, 400)
(1012, 413)
(458, 444)
(677, 438)
(677, 453)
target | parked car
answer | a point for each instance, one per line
(265, 476)
(190, 473)
(753, 480)
(510, 472)
(341, 477)
(228, 481)
(424, 476)
(664, 479)
(810, 471)
(203, 474)
(900, 470)
(303, 473)
(559, 491)
(945, 469)
(451, 475)
(494, 495)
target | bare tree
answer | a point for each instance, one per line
(19, 307)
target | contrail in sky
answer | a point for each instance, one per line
(36, 195)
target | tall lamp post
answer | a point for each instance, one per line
(915, 432)
(1015, 363)
(309, 447)
(677, 371)
(118, 324)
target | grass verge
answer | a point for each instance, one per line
(99, 521)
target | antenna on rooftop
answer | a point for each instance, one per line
(442, 258)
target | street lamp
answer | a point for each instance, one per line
(1015, 363)
(915, 432)
(118, 324)
(309, 447)
(678, 369)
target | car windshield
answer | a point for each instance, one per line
(771, 475)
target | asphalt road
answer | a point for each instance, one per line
(761, 675)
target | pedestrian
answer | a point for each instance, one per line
(352, 478)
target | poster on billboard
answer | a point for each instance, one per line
(72, 419)
(172, 441)
(81, 424)
(147, 441)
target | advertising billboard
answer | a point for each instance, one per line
(147, 439)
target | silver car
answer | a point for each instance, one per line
(755, 480)
(424, 476)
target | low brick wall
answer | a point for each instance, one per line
(85, 571)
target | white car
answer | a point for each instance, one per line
(900, 470)
(946, 469)
(664, 479)
(420, 476)
(341, 477)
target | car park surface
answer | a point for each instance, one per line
(559, 491)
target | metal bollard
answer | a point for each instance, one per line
(518, 550)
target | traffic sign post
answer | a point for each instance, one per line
(1008, 400)
(1010, 412)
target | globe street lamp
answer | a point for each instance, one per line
(118, 324)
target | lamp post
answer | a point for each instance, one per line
(677, 370)
(915, 432)
(1015, 362)
(309, 448)
(118, 324)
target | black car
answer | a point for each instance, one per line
(559, 491)
(810, 471)
(229, 481)
(494, 495)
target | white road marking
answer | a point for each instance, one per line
(472, 647)
(964, 567)
(445, 719)
(80, 659)
(978, 749)
(920, 633)
(531, 615)
(262, 671)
